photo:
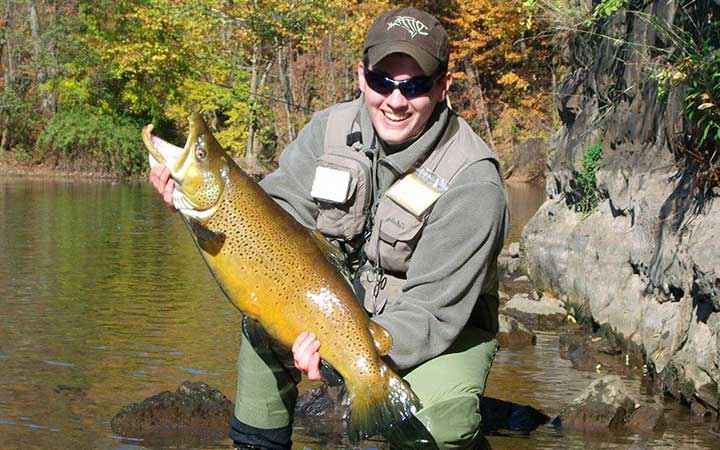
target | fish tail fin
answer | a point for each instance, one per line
(378, 407)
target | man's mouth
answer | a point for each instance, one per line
(395, 117)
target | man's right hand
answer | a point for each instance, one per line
(160, 178)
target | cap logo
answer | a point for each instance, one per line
(411, 24)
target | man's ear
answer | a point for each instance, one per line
(445, 81)
(361, 77)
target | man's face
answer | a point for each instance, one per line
(396, 118)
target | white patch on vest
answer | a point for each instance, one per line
(413, 194)
(331, 185)
(411, 24)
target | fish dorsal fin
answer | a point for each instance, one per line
(332, 253)
(381, 336)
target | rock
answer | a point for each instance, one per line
(509, 265)
(513, 334)
(698, 409)
(643, 261)
(514, 250)
(602, 406)
(522, 278)
(528, 161)
(647, 419)
(543, 314)
(195, 411)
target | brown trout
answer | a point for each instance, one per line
(277, 272)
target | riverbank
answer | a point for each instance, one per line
(53, 166)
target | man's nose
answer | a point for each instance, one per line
(396, 99)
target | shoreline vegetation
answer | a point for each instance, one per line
(79, 80)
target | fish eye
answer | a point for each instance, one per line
(200, 151)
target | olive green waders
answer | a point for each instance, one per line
(449, 386)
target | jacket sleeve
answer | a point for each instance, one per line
(455, 261)
(291, 183)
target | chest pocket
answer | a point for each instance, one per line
(346, 220)
(394, 237)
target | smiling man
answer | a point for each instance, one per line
(415, 200)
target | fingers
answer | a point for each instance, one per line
(160, 179)
(306, 356)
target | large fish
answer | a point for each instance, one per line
(277, 273)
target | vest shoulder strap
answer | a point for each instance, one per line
(341, 123)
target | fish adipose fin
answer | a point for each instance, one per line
(380, 407)
(381, 336)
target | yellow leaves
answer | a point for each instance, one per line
(511, 79)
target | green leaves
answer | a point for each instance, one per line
(586, 178)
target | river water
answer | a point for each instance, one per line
(104, 301)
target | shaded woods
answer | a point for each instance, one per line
(80, 78)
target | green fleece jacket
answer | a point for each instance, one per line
(452, 277)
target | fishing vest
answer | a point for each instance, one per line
(395, 229)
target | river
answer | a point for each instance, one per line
(104, 301)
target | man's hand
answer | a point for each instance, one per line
(306, 356)
(160, 178)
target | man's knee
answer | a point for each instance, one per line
(453, 423)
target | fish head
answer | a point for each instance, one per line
(200, 168)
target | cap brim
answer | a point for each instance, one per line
(428, 63)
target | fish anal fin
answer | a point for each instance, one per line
(382, 338)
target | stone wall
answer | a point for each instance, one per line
(646, 261)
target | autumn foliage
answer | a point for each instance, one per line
(257, 69)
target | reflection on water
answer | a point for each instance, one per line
(104, 301)
(523, 200)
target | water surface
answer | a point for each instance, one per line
(104, 301)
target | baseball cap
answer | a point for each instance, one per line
(410, 31)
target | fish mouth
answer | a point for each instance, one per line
(163, 152)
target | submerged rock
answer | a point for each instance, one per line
(194, 411)
(543, 314)
(513, 334)
(647, 419)
(603, 406)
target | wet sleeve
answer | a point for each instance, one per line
(291, 183)
(455, 261)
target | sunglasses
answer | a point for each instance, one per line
(413, 87)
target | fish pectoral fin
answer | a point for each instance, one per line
(206, 237)
(331, 376)
(382, 338)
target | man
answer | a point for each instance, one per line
(416, 201)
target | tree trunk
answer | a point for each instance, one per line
(251, 161)
(284, 75)
(479, 104)
(44, 61)
(6, 65)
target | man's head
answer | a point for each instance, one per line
(404, 72)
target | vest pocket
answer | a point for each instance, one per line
(394, 237)
(345, 220)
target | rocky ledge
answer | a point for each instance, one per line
(642, 261)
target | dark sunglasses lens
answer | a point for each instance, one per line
(409, 88)
(379, 83)
(416, 86)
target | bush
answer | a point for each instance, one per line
(114, 141)
(587, 178)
